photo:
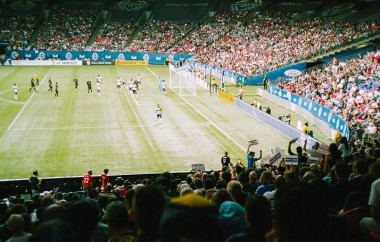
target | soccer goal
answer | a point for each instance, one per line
(183, 80)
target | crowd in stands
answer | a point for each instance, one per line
(113, 37)
(350, 89)
(269, 41)
(17, 29)
(159, 36)
(308, 202)
(66, 29)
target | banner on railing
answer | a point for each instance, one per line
(333, 120)
(152, 58)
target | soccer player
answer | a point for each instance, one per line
(124, 80)
(134, 89)
(50, 85)
(104, 180)
(89, 87)
(32, 85)
(225, 160)
(87, 181)
(37, 80)
(76, 83)
(159, 113)
(56, 90)
(15, 90)
(118, 84)
(99, 88)
(164, 85)
(138, 79)
(99, 79)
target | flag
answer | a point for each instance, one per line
(253, 142)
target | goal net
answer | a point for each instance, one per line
(183, 81)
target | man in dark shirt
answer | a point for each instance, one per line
(225, 160)
(76, 83)
(35, 183)
(89, 88)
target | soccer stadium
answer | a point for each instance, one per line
(190, 120)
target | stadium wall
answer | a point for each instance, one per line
(313, 108)
(152, 58)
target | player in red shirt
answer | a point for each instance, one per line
(87, 181)
(104, 180)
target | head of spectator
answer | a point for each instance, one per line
(83, 218)
(148, 204)
(54, 230)
(222, 196)
(190, 218)
(117, 217)
(16, 225)
(232, 218)
(55, 211)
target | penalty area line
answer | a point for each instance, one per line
(26, 104)
(203, 115)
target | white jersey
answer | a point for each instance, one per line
(15, 89)
(99, 79)
(118, 82)
(164, 85)
(98, 87)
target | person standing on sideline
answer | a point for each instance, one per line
(164, 86)
(32, 86)
(87, 181)
(225, 160)
(104, 180)
(159, 113)
(35, 183)
(76, 83)
(50, 85)
(118, 84)
(56, 90)
(265, 82)
(251, 157)
(241, 91)
(89, 87)
(15, 90)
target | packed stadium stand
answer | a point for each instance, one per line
(309, 202)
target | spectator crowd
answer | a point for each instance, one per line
(349, 89)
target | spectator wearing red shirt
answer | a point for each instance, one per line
(104, 180)
(87, 181)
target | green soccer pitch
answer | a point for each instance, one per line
(69, 135)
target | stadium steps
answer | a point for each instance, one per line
(344, 48)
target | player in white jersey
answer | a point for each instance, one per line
(164, 86)
(98, 88)
(138, 79)
(130, 85)
(15, 90)
(99, 79)
(159, 113)
(118, 84)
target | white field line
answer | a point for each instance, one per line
(204, 116)
(9, 101)
(26, 104)
(110, 127)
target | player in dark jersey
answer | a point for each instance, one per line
(56, 90)
(32, 86)
(89, 87)
(50, 86)
(225, 160)
(76, 83)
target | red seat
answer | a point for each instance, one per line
(375, 237)
(354, 216)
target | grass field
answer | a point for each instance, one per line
(68, 135)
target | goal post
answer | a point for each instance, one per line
(182, 80)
